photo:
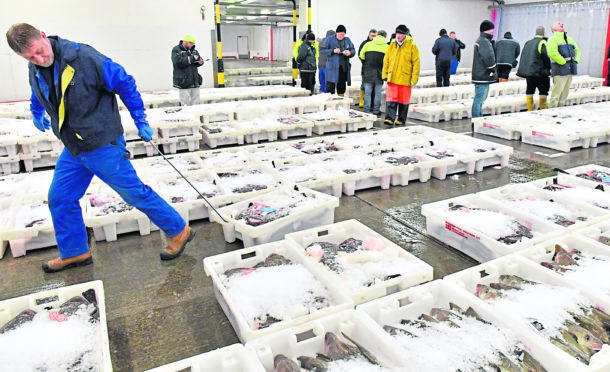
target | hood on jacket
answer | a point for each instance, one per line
(508, 35)
(330, 33)
(379, 40)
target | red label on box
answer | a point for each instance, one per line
(459, 231)
(541, 134)
(488, 125)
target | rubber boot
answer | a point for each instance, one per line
(530, 103)
(403, 111)
(341, 95)
(361, 104)
(542, 103)
(390, 112)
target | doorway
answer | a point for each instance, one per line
(242, 47)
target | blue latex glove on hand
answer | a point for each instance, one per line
(42, 123)
(144, 130)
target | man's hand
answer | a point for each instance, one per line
(337, 51)
(42, 123)
(144, 130)
(197, 59)
(347, 53)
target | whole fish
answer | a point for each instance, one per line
(504, 287)
(442, 314)
(574, 352)
(553, 266)
(584, 337)
(484, 292)
(592, 325)
(473, 314)
(393, 331)
(514, 280)
(505, 364)
(364, 351)
(281, 363)
(21, 318)
(572, 340)
(455, 307)
(337, 349)
(530, 364)
(563, 258)
(313, 364)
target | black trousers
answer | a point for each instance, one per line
(542, 83)
(504, 71)
(443, 73)
(340, 86)
(308, 80)
(395, 111)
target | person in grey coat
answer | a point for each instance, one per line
(507, 51)
(483, 67)
(322, 63)
(444, 49)
(307, 63)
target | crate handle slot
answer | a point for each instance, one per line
(303, 336)
(404, 301)
(248, 255)
(392, 289)
(322, 233)
(46, 300)
(483, 273)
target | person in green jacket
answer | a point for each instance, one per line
(372, 55)
(295, 50)
(565, 55)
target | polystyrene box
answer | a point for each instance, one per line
(319, 209)
(411, 303)
(308, 339)
(544, 251)
(517, 265)
(233, 358)
(216, 265)
(108, 224)
(53, 298)
(472, 240)
(310, 173)
(416, 272)
(508, 196)
(40, 235)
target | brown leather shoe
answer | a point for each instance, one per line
(60, 264)
(175, 245)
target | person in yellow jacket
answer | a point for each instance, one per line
(295, 50)
(401, 71)
(564, 55)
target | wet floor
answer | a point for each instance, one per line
(159, 312)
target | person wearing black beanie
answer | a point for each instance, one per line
(507, 52)
(306, 60)
(444, 49)
(339, 49)
(483, 67)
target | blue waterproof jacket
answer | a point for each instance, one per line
(86, 116)
(444, 49)
(332, 64)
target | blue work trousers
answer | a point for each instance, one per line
(322, 78)
(481, 91)
(454, 66)
(110, 164)
(372, 92)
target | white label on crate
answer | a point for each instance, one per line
(541, 134)
(461, 232)
(489, 125)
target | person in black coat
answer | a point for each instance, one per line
(186, 60)
(444, 49)
(307, 63)
(458, 56)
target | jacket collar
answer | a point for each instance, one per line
(486, 35)
(539, 37)
(66, 50)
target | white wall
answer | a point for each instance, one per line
(424, 18)
(229, 34)
(259, 39)
(139, 34)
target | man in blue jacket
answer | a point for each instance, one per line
(76, 86)
(339, 49)
(444, 49)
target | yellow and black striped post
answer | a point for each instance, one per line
(295, 71)
(308, 15)
(221, 68)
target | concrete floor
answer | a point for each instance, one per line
(159, 312)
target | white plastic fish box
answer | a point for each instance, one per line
(212, 113)
(578, 190)
(39, 160)
(422, 133)
(360, 120)
(108, 226)
(310, 173)
(9, 164)
(5, 209)
(574, 172)
(225, 157)
(517, 265)
(415, 271)
(259, 130)
(268, 175)
(216, 265)
(139, 147)
(131, 132)
(473, 241)
(191, 207)
(359, 170)
(411, 303)
(502, 126)
(273, 151)
(229, 135)
(21, 238)
(488, 153)
(16, 110)
(583, 214)
(314, 146)
(233, 358)
(175, 144)
(357, 141)
(427, 112)
(556, 139)
(176, 125)
(308, 339)
(599, 232)
(458, 163)
(9, 134)
(318, 210)
(402, 174)
(544, 251)
(326, 125)
(396, 137)
(302, 127)
(253, 110)
(54, 298)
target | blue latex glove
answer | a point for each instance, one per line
(144, 130)
(42, 123)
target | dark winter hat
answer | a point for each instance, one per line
(486, 25)
(311, 36)
(508, 35)
(340, 28)
(442, 32)
(402, 29)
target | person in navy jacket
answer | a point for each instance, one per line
(77, 86)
